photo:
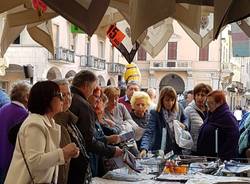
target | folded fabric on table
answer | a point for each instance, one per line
(125, 174)
(235, 167)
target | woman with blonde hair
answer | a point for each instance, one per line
(140, 102)
(159, 134)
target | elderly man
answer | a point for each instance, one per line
(83, 86)
(132, 86)
(12, 115)
(78, 169)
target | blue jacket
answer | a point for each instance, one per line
(228, 134)
(152, 137)
(244, 141)
(4, 98)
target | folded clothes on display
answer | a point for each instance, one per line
(127, 136)
(118, 162)
(125, 174)
(175, 169)
(235, 167)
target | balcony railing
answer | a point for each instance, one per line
(226, 66)
(116, 68)
(177, 64)
(63, 54)
(92, 62)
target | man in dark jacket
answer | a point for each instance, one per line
(83, 86)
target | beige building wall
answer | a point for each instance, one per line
(30, 52)
(193, 72)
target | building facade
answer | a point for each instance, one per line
(73, 52)
(181, 64)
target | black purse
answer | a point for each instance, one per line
(32, 180)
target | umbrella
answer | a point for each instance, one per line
(201, 41)
(146, 13)
(18, 17)
(158, 36)
(9, 34)
(239, 9)
(191, 15)
(42, 34)
(153, 39)
(225, 12)
(148, 20)
(245, 26)
(87, 14)
(28, 16)
(110, 17)
(8, 5)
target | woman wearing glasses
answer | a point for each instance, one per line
(37, 154)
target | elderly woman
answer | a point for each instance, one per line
(159, 134)
(219, 134)
(102, 149)
(99, 107)
(78, 169)
(196, 112)
(117, 112)
(108, 126)
(37, 154)
(140, 102)
(12, 115)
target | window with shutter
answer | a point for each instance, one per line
(172, 50)
(203, 54)
(141, 54)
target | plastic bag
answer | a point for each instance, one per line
(182, 137)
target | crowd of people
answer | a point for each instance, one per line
(61, 132)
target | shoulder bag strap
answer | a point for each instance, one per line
(32, 180)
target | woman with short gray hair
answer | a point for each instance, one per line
(20, 93)
(12, 115)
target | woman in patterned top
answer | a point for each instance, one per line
(140, 102)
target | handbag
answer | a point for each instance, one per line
(182, 137)
(32, 180)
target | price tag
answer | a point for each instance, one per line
(115, 35)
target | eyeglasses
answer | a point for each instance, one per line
(97, 96)
(59, 95)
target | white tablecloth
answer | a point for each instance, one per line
(105, 181)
